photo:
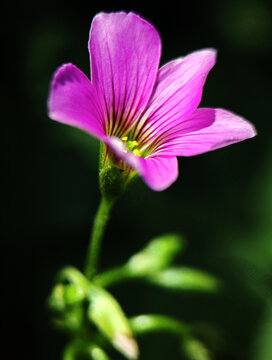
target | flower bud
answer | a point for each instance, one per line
(105, 312)
(184, 278)
(157, 255)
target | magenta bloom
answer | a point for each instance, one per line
(146, 115)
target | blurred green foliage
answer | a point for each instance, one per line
(222, 201)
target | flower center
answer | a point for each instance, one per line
(131, 145)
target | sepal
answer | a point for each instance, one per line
(113, 179)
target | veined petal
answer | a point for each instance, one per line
(226, 128)
(176, 95)
(73, 100)
(157, 172)
(125, 52)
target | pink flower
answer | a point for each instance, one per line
(146, 115)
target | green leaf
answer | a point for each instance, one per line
(157, 255)
(195, 349)
(185, 278)
(105, 312)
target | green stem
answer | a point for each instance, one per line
(96, 236)
(112, 277)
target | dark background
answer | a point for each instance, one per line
(222, 201)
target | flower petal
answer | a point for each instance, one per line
(73, 100)
(225, 128)
(177, 93)
(125, 52)
(157, 172)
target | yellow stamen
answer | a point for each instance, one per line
(136, 152)
(134, 143)
(124, 138)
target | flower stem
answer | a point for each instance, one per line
(96, 236)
